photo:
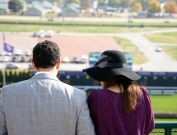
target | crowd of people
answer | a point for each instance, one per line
(43, 105)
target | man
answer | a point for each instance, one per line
(43, 105)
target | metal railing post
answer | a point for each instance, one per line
(168, 131)
(167, 126)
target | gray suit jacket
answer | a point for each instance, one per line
(43, 105)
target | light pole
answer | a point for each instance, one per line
(129, 19)
(3, 70)
(63, 12)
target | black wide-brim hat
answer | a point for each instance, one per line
(111, 64)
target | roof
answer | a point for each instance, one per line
(35, 10)
(72, 8)
(34, 3)
(3, 7)
(4, 1)
(39, 8)
(46, 4)
(73, 5)
(4, 4)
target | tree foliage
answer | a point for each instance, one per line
(124, 3)
(170, 7)
(101, 1)
(72, 1)
(15, 5)
(137, 7)
(154, 6)
(59, 1)
(67, 1)
(115, 1)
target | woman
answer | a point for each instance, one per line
(121, 107)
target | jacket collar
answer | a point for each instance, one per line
(44, 75)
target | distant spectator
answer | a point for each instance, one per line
(121, 107)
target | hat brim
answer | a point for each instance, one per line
(105, 74)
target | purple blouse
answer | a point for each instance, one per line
(106, 109)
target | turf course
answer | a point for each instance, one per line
(169, 37)
(166, 38)
(82, 29)
(127, 46)
(164, 103)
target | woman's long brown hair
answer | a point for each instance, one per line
(131, 92)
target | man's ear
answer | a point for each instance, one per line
(33, 64)
(58, 63)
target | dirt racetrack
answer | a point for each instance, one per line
(70, 45)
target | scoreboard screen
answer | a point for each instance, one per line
(94, 56)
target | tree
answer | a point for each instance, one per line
(101, 1)
(85, 4)
(72, 1)
(67, 1)
(170, 7)
(124, 3)
(144, 3)
(51, 15)
(154, 6)
(59, 1)
(115, 2)
(15, 5)
(137, 7)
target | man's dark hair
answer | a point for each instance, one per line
(46, 54)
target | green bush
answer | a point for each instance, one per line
(166, 115)
(13, 76)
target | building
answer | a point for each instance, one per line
(71, 9)
(86, 4)
(31, 1)
(46, 5)
(35, 11)
(3, 6)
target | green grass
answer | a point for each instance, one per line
(171, 50)
(164, 103)
(165, 120)
(83, 29)
(170, 37)
(126, 45)
(123, 23)
(119, 27)
(161, 132)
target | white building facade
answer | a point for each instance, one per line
(4, 4)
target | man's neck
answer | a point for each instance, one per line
(47, 70)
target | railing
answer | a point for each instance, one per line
(167, 126)
(162, 90)
(152, 90)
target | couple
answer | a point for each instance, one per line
(43, 105)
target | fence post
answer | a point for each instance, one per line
(167, 126)
(168, 131)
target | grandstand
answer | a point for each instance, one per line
(157, 82)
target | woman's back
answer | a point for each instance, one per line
(109, 117)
